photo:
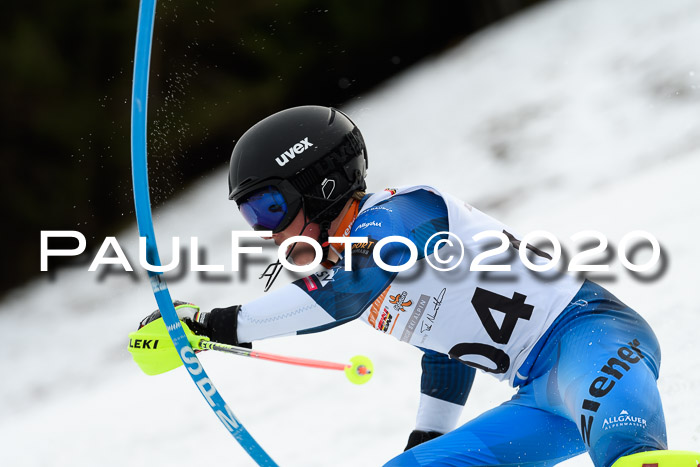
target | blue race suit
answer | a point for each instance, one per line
(585, 364)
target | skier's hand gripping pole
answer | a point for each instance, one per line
(155, 353)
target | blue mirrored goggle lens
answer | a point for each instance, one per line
(264, 209)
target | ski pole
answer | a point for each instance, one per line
(155, 353)
(358, 371)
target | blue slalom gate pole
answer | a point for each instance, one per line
(144, 219)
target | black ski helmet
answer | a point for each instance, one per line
(314, 156)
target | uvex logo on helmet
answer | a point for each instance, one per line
(298, 148)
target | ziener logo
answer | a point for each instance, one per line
(615, 369)
(290, 153)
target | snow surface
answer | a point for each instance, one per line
(577, 115)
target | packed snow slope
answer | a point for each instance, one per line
(578, 115)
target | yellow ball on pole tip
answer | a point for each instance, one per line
(360, 369)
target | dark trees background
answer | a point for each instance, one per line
(217, 68)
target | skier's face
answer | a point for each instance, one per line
(303, 253)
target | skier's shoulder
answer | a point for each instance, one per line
(406, 205)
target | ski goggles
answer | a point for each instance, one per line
(267, 209)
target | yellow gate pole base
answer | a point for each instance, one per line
(660, 459)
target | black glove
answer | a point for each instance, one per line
(418, 437)
(219, 325)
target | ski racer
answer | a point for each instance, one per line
(584, 364)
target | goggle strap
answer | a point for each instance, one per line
(342, 198)
(323, 237)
